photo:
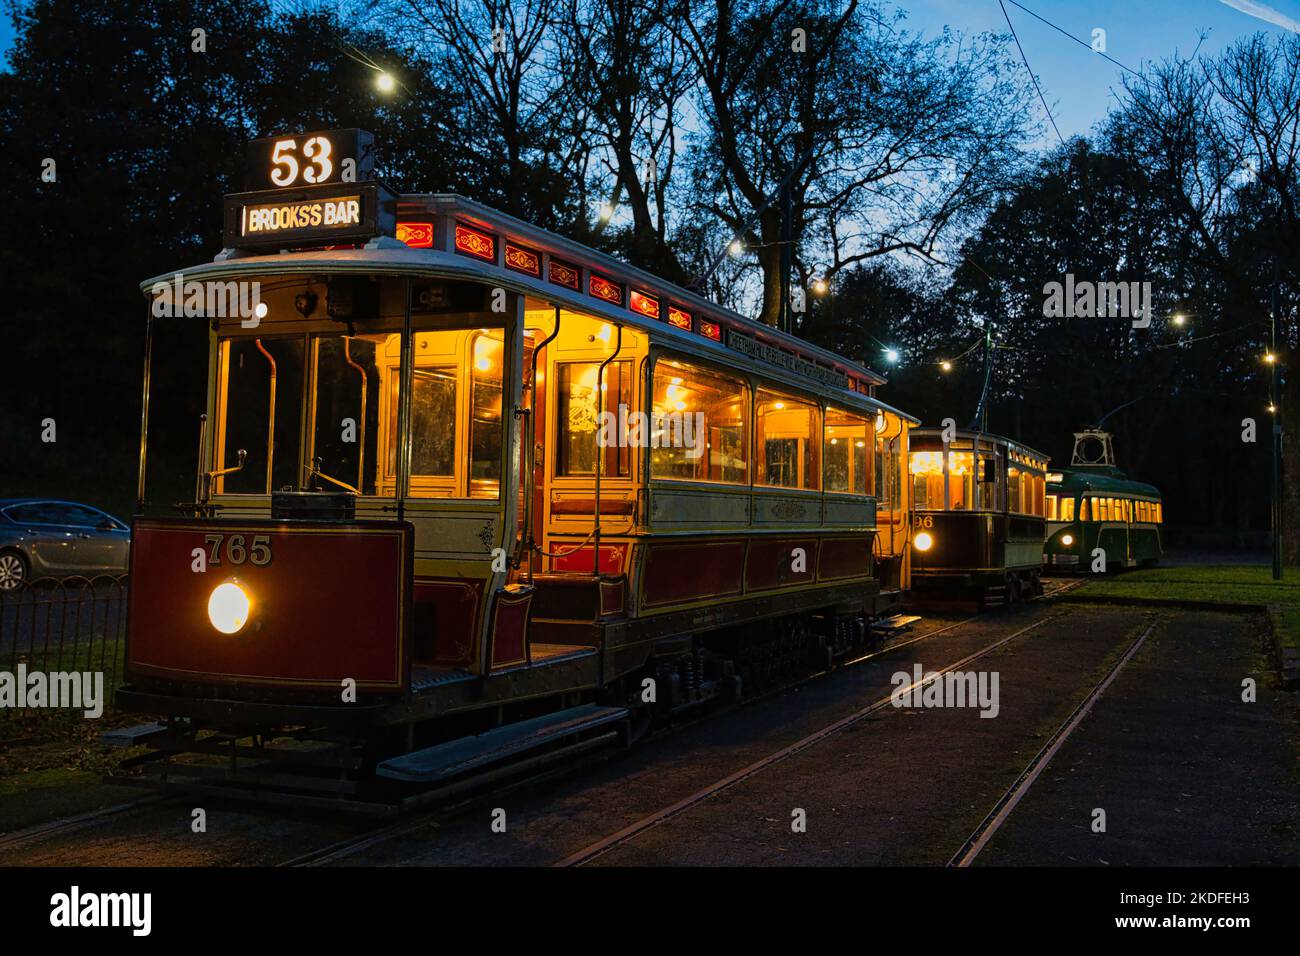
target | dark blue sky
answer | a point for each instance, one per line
(1079, 84)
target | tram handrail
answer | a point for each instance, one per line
(600, 401)
(270, 417)
(365, 387)
(530, 476)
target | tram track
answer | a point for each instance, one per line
(346, 848)
(29, 836)
(630, 832)
(1002, 809)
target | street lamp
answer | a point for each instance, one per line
(891, 355)
(385, 82)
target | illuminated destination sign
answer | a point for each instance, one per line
(276, 217)
(322, 214)
(310, 159)
(763, 352)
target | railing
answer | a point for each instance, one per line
(65, 625)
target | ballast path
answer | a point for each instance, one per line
(589, 853)
(1002, 809)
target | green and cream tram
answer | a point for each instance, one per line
(1097, 518)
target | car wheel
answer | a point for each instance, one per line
(13, 571)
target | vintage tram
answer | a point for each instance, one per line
(978, 519)
(1098, 519)
(469, 492)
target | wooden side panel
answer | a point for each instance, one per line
(682, 573)
(612, 557)
(771, 563)
(845, 558)
(447, 612)
(510, 626)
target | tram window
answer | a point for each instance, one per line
(1040, 495)
(1128, 510)
(1160, 513)
(787, 432)
(487, 357)
(1051, 508)
(844, 453)
(927, 480)
(248, 392)
(1013, 490)
(961, 480)
(889, 465)
(578, 418)
(1067, 509)
(1029, 494)
(345, 430)
(716, 408)
(433, 443)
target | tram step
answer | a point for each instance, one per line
(443, 761)
(898, 624)
(132, 736)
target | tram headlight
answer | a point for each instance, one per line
(923, 541)
(229, 607)
(1067, 539)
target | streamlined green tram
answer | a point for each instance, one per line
(1098, 519)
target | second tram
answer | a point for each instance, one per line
(979, 505)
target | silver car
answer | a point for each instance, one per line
(44, 538)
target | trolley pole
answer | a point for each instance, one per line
(1275, 402)
(786, 316)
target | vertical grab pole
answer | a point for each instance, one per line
(407, 378)
(270, 418)
(144, 403)
(600, 452)
(365, 387)
(530, 476)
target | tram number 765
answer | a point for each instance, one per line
(237, 551)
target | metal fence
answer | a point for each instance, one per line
(64, 625)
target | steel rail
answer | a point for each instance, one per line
(990, 825)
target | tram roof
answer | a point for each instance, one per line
(392, 256)
(1110, 479)
(932, 431)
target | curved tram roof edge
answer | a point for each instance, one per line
(1076, 479)
(993, 436)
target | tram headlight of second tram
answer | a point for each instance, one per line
(1067, 539)
(923, 541)
(229, 608)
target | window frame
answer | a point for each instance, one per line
(817, 428)
(707, 370)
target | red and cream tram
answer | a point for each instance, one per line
(468, 490)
